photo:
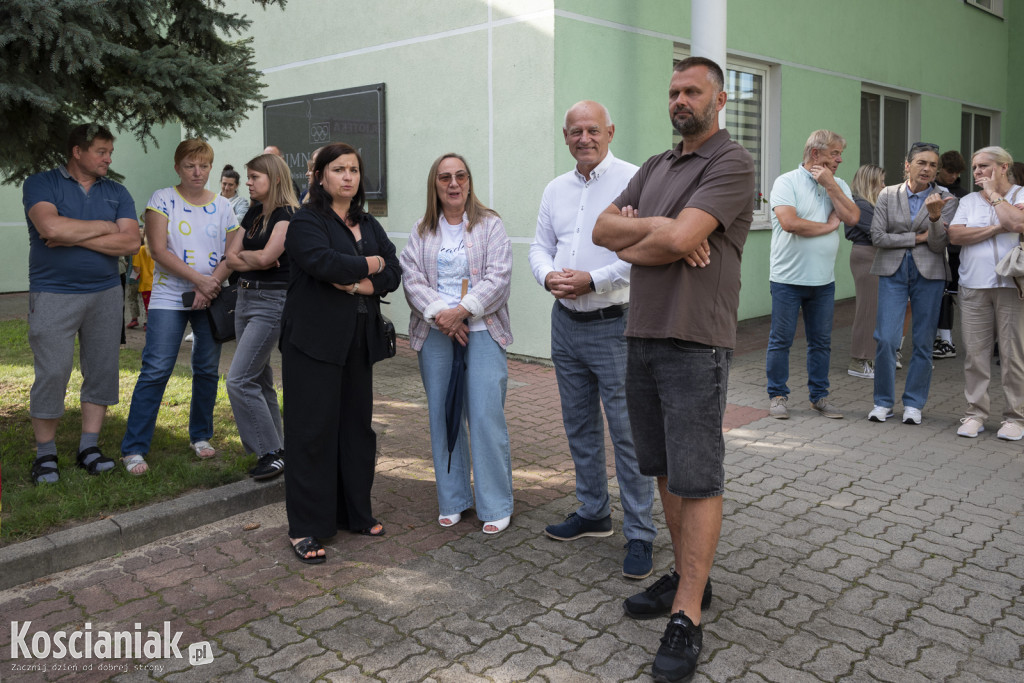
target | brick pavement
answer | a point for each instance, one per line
(850, 551)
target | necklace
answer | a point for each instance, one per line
(256, 226)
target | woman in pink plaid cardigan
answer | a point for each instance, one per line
(458, 267)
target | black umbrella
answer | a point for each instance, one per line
(455, 397)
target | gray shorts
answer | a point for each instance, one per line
(675, 394)
(54, 320)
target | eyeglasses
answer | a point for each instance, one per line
(461, 178)
(918, 146)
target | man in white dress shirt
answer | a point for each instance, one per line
(591, 288)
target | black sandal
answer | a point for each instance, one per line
(38, 471)
(306, 546)
(92, 466)
(369, 531)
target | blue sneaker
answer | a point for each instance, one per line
(639, 562)
(575, 527)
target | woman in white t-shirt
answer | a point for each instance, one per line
(461, 240)
(987, 224)
(188, 229)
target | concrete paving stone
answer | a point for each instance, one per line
(605, 615)
(516, 610)
(728, 663)
(451, 557)
(943, 632)
(727, 630)
(893, 582)
(984, 608)
(588, 601)
(387, 656)
(415, 668)
(995, 559)
(1001, 647)
(766, 569)
(900, 647)
(979, 580)
(795, 611)
(436, 638)
(628, 664)
(309, 669)
(224, 664)
(767, 598)
(833, 662)
(475, 631)
(456, 673)
(246, 645)
(546, 596)
(771, 670)
(274, 631)
(285, 658)
(233, 619)
(880, 670)
(852, 568)
(948, 597)
(855, 545)
(820, 586)
(593, 652)
(308, 608)
(562, 672)
(938, 663)
(798, 649)
(494, 652)
(1012, 623)
(891, 610)
(979, 671)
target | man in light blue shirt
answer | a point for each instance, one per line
(591, 289)
(807, 205)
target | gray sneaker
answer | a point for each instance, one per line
(778, 408)
(823, 406)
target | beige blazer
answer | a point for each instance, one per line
(894, 233)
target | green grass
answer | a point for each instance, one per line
(28, 511)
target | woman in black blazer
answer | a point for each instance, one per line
(342, 262)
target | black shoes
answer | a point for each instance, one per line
(656, 599)
(268, 466)
(676, 660)
(575, 527)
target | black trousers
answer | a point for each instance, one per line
(330, 446)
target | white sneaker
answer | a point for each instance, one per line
(879, 414)
(911, 416)
(1011, 431)
(190, 337)
(970, 427)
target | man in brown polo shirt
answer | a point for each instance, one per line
(682, 222)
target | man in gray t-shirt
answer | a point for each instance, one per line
(682, 222)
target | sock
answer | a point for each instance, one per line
(946, 335)
(88, 440)
(42, 450)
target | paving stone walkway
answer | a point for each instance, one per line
(850, 551)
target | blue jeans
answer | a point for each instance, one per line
(590, 364)
(925, 296)
(164, 333)
(251, 380)
(483, 413)
(676, 394)
(817, 303)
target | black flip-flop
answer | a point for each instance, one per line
(369, 531)
(38, 471)
(308, 545)
(91, 466)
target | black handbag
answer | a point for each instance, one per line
(386, 344)
(222, 314)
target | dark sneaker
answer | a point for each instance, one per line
(656, 599)
(639, 562)
(676, 660)
(575, 527)
(269, 466)
(943, 349)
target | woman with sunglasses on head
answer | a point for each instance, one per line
(987, 226)
(458, 268)
(341, 263)
(262, 263)
(909, 233)
(868, 181)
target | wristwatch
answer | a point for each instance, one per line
(997, 201)
(593, 287)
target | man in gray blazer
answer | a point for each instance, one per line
(910, 238)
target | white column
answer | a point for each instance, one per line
(707, 31)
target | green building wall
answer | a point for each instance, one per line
(492, 80)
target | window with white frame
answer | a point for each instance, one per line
(746, 118)
(885, 120)
(991, 6)
(977, 130)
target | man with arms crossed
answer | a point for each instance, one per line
(79, 223)
(591, 288)
(691, 205)
(807, 205)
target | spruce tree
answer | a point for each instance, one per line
(128, 64)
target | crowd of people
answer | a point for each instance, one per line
(643, 265)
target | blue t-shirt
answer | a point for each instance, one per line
(797, 260)
(71, 270)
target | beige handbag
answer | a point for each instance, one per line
(1012, 265)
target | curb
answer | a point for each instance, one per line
(56, 552)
